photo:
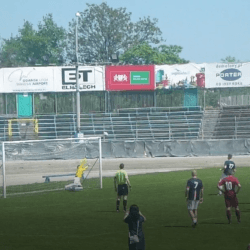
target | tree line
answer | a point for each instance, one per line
(103, 31)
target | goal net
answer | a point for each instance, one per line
(48, 165)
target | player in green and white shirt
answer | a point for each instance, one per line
(121, 183)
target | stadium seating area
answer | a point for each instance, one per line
(233, 123)
(127, 124)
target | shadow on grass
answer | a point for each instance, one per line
(213, 223)
(178, 226)
(245, 211)
(244, 203)
(213, 194)
(102, 211)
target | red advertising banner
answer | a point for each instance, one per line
(134, 77)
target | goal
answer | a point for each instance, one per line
(36, 166)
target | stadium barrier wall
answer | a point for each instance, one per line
(139, 149)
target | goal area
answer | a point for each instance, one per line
(36, 166)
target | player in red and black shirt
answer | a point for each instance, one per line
(230, 183)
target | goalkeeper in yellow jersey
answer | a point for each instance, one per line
(77, 186)
(121, 183)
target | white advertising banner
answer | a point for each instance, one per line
(225, 75)
(51, 79)
(177, 75)
(91, 78)
(1, 80)
(28, 79)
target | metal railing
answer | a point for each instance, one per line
(154, 125)
(227, 128)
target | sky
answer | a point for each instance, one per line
(208, 31)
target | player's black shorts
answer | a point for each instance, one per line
(122, 189)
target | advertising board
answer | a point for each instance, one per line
(51, 79)
(178, 75)
(27, 79)
(136, 77)
(225, 75)
(91, 78)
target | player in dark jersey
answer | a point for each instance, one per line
(194, 196)
(229, 185)
(229, 164)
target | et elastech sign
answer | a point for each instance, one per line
(88, 79)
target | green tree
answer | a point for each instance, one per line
(32, 45)
(171, 54)
(143, 53)
(10, 52)
(55, 41)
(104, 30)
(42, 46)
(230, 59)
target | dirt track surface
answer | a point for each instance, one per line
(20, 172)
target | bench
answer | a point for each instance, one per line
(47, 177)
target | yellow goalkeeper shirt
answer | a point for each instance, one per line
(80, 171)
(121, 177)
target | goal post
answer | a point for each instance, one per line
(35, 166)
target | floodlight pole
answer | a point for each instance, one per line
(204, 99)
(100, 161)
(3, 171)
(78, 126)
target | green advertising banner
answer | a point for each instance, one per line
(139, 77)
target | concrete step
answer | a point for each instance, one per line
(209, 121)
(27, 130)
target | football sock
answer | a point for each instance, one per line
(228, 215)
(117, 204)
(124, 205)
(237, 212)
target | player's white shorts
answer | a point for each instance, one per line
(77, 181)
(76, 186)
(191, 205)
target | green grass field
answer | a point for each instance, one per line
(88, 220)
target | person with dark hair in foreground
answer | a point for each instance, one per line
(134, 218)
(228, 187)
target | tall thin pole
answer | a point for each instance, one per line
(78, 126)
(204, 99)
(155, 103)
(100, 161)
(3, 165)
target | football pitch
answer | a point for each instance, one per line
(88, 219)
